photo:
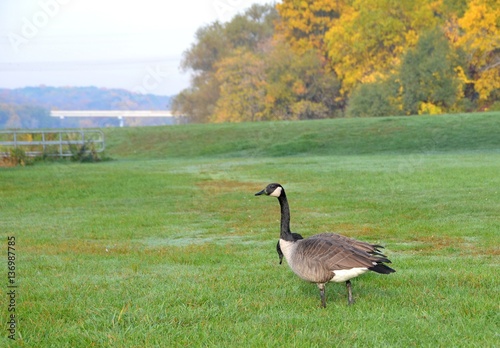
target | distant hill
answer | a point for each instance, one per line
(30, 107)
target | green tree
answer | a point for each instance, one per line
(273, 84)
(198, 101)
(252, 28)
(298, 86)
(213, 44)
(241, 78)
(428, 76)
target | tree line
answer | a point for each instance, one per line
(309, 59)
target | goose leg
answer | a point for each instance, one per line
(349, 292)
(322, 294)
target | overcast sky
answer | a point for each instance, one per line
(131, 44)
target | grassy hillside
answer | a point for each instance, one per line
(425, 134)
(167, 246)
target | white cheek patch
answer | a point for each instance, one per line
(277, 192)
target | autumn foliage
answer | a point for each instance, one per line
(306, 59)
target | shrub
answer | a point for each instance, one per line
(374, 99)
(307, 110)
(18, 156)
(85, 153)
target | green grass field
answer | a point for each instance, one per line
(167, 246)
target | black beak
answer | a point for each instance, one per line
(260, 192)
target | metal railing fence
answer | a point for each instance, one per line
(60, 143)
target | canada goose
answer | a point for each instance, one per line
(325, 257)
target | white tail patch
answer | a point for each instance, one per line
(344, 275)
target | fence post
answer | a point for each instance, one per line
(43, 142)
(60, 146)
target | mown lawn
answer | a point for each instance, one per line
(159, 251)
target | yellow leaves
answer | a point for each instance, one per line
(480, 26)
(461, 75)
(426, 108)
(411, 38)
(341, 40)
(305, 22)
(487, 82)
(479, 16)
(479, 37)
(369, 38)
(462, 80)
(242, 81)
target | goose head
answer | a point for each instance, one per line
(274, 190)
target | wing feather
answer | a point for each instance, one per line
(317, 258)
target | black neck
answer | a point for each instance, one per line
(285, 232)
